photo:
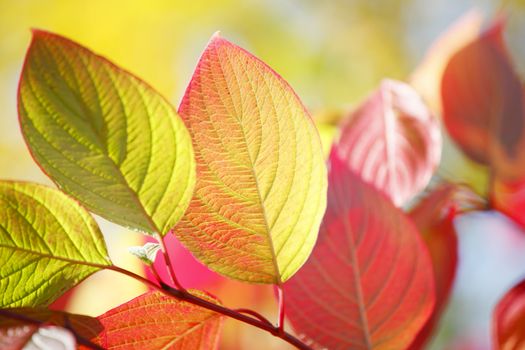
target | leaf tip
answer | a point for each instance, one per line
(216, 36)
(216, 39)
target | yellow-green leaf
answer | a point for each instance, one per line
(261, 178)
(104, 136)
(48, 243)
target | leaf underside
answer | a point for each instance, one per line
(393, 141)
(104, 136)
(261, 178)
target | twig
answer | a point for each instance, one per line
(184, 295)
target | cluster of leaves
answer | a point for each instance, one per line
(238, 175)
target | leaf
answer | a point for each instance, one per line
(426, 78)
(147, 253)
(261, 178)
(392, 141)
(482, 100)
(44, 329)
(193, 273)
(156, 321)
(509, 319)
(509, 198)
(369, 281)
(104, 136)
(48, 244)
(434, 217)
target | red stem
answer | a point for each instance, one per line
(184, 295)
(171, 270)
(254, 314)
(280, 295)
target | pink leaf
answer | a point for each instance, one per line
(392, 141)
(369, 283)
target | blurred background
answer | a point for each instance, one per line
(333, 53)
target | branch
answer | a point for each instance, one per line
(184, 295)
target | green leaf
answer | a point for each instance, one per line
(147, 253)
(48, 243)
(104, 136)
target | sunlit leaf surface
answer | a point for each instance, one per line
(104, 136)
(48, 243)
(155, 321)
(261, 188)
(369, 281)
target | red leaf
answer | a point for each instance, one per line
(509, 198)
(483, 104)
(156, 321)
(426, 78)
(509, 320)
(368, 283)
(434, 218)
(393, 141)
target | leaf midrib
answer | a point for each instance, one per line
(357, 282)
(254, 175)
(55, 257)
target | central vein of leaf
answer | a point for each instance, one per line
(388, 119)
(263, 210)
(357, 278)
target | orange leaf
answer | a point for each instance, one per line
(483, 104)
(19, 326)
(426, 78)
(261, 177)
(369, 281)
(393, 141)
(156, 321)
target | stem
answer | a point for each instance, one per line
(184, 295)
(155, 273)
(280, 295)
(254, 314)
(171, 270)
